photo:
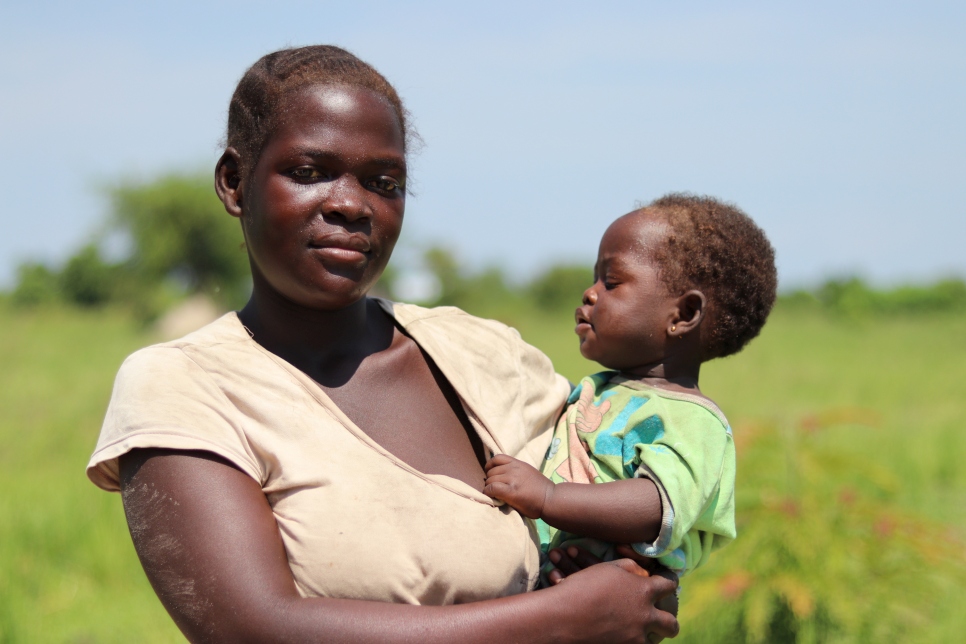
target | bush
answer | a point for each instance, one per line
(36, 284)
(823, 553)
(87, 279)
(853, 297)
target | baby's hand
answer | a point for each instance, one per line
(521, 486)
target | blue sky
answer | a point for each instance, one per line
(838, 126)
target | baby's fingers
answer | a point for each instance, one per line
(496, 489)
(498, 470)
(497, 460)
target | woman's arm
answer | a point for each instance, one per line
(209, 544)
(627, 511)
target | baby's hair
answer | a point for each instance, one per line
(254, 109)
(715, 247)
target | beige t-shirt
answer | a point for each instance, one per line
(356, 521)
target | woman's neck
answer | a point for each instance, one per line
(310, 339)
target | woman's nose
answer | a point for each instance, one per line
(590, 296)
(347, 198)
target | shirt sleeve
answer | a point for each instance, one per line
(691, 460)
(163, 399)
(544, 393)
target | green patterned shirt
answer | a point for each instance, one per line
(616, 428)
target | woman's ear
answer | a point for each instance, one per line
(688, 314)
(228, 182)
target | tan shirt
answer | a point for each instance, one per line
(356, 521)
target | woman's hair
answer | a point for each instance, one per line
(254, 109)
(715, 247)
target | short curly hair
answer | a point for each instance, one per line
(253, 112)
(715, 247)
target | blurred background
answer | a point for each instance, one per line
(837, 126)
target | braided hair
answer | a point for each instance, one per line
(255, 107)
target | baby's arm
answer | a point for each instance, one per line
(627, 511)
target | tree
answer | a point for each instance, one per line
(87, 279)
(179, 229)
(36, 284)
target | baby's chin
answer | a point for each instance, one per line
(589, 354)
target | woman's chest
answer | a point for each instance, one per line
(404, 403)
(357, 522)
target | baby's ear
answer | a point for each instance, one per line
(228, 181)
(688, 313)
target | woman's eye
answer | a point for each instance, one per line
(306, 174)
(386, 184)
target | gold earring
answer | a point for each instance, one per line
(673, 328)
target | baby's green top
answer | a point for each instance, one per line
(680, 441)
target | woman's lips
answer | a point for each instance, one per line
(349, 249)
(583, 323)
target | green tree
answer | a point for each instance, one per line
(36, 284)
(87, 279)
(180, 229)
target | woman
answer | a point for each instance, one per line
(310, 468)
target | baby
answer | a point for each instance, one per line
(682, 281)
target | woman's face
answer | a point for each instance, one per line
(324, 205)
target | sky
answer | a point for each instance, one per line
(840, 127)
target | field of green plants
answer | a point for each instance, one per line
(851, 493)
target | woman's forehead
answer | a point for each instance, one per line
(341, 116)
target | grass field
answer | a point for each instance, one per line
(851, 492)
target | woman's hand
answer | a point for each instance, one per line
(634, 615)
(573, 560)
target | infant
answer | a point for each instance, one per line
(679, 282)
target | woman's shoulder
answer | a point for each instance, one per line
(227, 329)
(407, 314)
(172, 395)
(220, 336)
(452, 327)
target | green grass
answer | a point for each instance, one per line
(68, 571)
(849, 434)
(850, 490)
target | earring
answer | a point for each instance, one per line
(673, 328)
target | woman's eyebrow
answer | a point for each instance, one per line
(387, 163)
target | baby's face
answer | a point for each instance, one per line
(627, 312)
